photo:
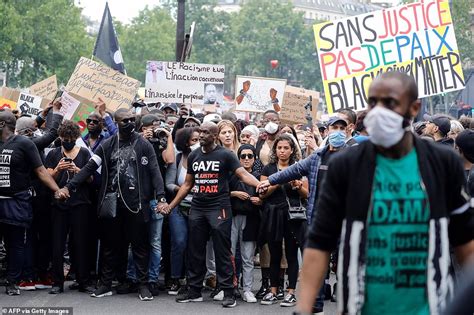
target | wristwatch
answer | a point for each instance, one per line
(162, 200)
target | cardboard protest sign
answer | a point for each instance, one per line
(6, 103)
(179, 82)
(29, 104)
(417, 38)
(293, 109)
(255, 94)
(46, 88)
(92, 80)
(69, 105)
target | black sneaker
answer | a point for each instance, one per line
(264, 289)
(12, 289)
(154, 288)
(174, 289)
(56, 289)
(289, 300)
(217, 294)
(144, 293)
(189, 296)
(74, 286)
(123, 288)
(237, 293)
(269, 299)
(229, 301)
(102, 291)
(280, 293)
(86, 288)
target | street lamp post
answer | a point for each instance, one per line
(180, 37)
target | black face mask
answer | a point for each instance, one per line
(68, 145)
(127, 129)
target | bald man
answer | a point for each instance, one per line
(209, 170)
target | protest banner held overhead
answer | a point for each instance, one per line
(417, 38)
(254, 94)
(293, 109)
(189, 83)
(46, 88)
(29, 104)
(69, 105)
(92, 80)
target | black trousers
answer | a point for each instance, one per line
(219, 224)
(42, 234)
(116, 236)
(74, 221)
(291, 252)
(15, 238)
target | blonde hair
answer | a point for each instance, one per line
(227, 123)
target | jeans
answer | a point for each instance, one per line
(179, 239)
(247, 250)
(156, 225)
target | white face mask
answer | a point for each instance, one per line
(195, 146)
(384, 126)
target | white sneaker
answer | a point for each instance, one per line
(249, 297)
(219, 296)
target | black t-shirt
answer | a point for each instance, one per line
(18, 158)
(81, 194)
(211, 173)
(127, 175)
(278, 196)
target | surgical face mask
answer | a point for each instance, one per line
(271, 128)
(384, 126)
(195, 146)
(337, 138)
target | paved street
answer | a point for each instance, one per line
(130, 304)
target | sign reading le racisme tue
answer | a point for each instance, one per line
(417, 38)
(179, 82)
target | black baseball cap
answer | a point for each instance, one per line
(336, 119)
(465, 143)
(441, 121)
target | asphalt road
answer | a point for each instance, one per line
(130, 304)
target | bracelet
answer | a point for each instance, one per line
(275, 101)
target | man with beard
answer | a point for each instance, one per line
(131, 179)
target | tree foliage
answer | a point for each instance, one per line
(150, 36)
(41, 38)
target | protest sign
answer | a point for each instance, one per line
(5, 103)
(417, 39)
(29, 104)
(92, 80)
(179, 82)
(69, 105)
(46, 88)
(255, 94)
(293, 109)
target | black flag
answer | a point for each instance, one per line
(107, 47)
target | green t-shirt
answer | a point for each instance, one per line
(397, 239)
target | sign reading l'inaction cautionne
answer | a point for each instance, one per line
(417, 39)
(179, 82)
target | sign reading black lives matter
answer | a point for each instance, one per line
(29, 104)
(416, 38)
(179, 82)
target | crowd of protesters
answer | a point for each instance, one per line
(202, 198)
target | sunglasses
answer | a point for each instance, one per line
(246, 156)
(388, 102)
(93, 121)
(128, 120)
